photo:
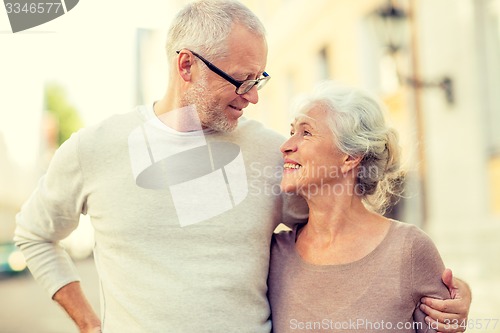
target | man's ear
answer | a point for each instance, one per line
(184, 63)
(350, 163)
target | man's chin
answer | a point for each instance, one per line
(225, 126)
(232, 126)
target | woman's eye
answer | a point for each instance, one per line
(303, 133)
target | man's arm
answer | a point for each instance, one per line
(50, 214)
(74, 302)
(449, 315)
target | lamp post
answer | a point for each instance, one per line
(397, 33)
(392, 25)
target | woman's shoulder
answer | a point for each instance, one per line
(407, 228)
(411, 234)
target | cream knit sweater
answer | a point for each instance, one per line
(182, 229)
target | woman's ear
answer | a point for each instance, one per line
(184, 63)
(350, 163)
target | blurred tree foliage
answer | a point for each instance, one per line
(67, 116)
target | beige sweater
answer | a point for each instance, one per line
(378, 293)
(182, 244)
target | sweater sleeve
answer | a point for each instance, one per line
(426, 269)
(50, 214)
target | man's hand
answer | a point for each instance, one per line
(92, 330)
(74, 302)
(449, 315)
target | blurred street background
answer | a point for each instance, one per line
(435, 64)
(25, 307)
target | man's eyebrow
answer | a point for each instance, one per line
(249, 75)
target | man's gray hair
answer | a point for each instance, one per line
(204, 26)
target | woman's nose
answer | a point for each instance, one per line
(289, 146)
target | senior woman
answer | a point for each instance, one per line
(349, 268)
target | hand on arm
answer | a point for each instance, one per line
(449, 315)
(74, 302)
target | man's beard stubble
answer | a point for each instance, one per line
(210, 112)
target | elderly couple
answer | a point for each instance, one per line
(343, 266)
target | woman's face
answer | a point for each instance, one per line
(312, 162)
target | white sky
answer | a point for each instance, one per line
(89, 50)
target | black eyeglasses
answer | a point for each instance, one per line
(242, 87)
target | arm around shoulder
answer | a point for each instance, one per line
(426, 269)
(446, 311)
(450, 315)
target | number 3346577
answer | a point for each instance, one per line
(33, 8)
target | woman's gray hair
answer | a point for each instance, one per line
(204, 26)
(357, 121)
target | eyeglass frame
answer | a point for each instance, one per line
(257, 82)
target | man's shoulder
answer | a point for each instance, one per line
(113, 125)
(108, 137)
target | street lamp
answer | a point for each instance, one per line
(391, 25)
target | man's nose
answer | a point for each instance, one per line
(252, 95)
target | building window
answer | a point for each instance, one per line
(322, 65)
